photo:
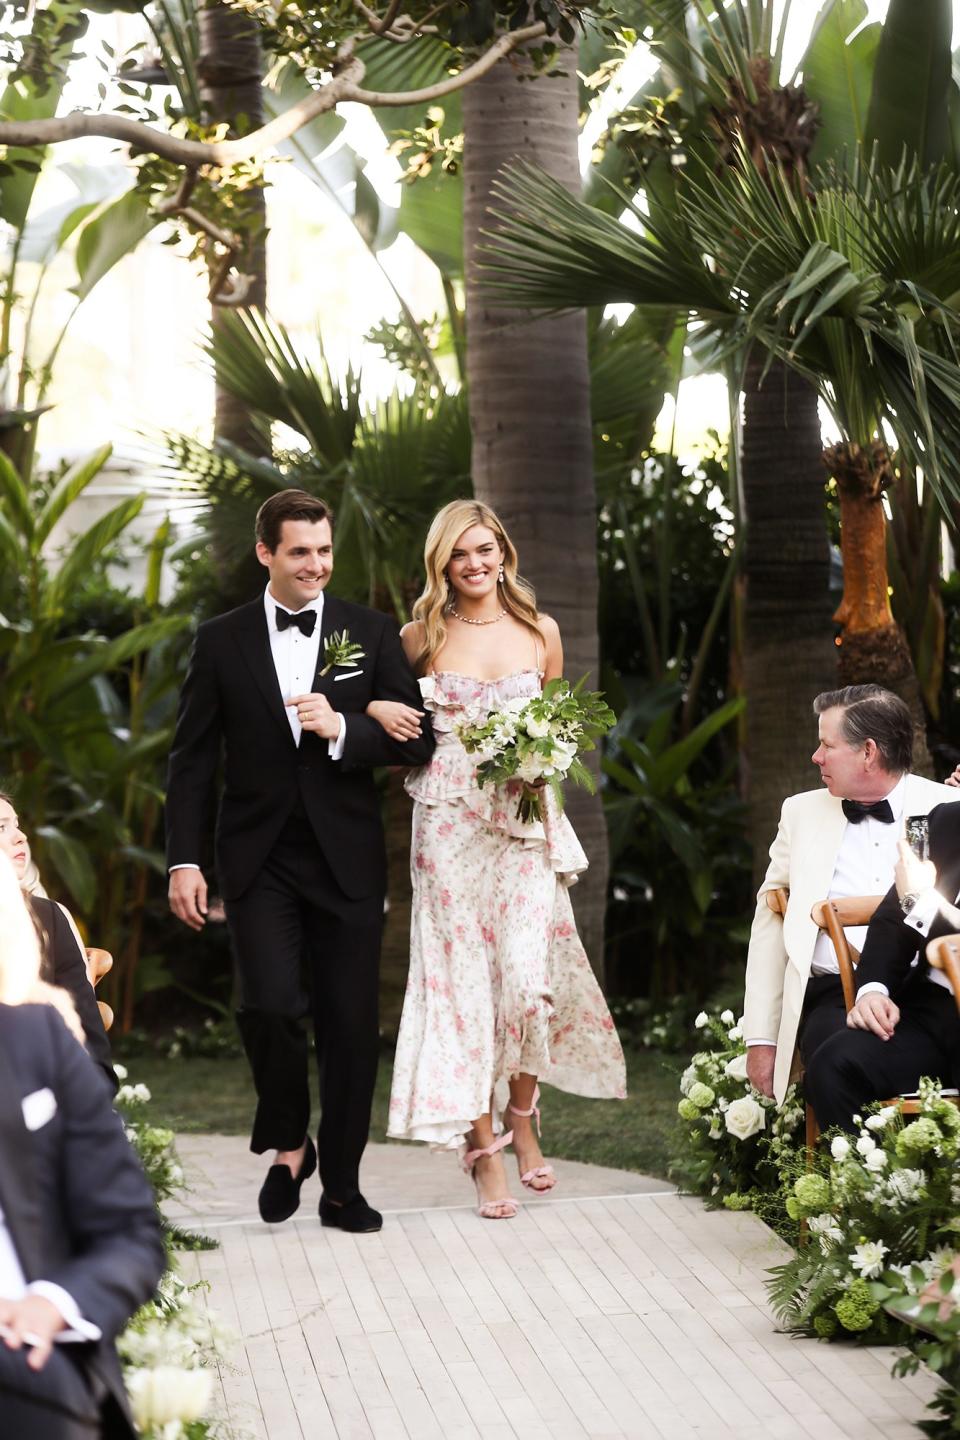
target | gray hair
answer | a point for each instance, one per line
(872, 713)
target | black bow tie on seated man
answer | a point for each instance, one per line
(305, 621)
(857, 810)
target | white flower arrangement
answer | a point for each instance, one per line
(731, 1137)
(883, 1210)
(538, 741)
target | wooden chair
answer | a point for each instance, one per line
(100, 963)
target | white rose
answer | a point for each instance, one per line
(839, 1147)
(866, 1144)
(736, 1068)
(727, 1017)
(744, 1118)
(876, 1160)
(536, 728)
(735, 1034)
(120, 1071)
(515, 706)
(532, 768)
(167, 1393)
(702, 1019)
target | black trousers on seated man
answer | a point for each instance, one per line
(55, 1403)
(304, 948)
(824, 1013)
(851, 1068)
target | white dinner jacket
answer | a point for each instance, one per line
(803, 858)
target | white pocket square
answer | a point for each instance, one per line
(351, 675)
(38, 1108)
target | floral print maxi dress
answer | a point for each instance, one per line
(499, 982)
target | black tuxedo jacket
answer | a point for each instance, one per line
(78, 1207)
(231, 703)
(891, 946)
(63, 964)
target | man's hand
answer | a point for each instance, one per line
(912, 875)
(876, 1013)
(188, 896)
(760, 1063)
(316, 714)
(400, 721)
(31, 1321)
(954, 779)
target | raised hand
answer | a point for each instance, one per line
(316, 714)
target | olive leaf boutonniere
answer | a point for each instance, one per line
(339, 651)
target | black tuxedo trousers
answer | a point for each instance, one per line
(324, 951)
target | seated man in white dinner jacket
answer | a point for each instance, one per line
(836, 841)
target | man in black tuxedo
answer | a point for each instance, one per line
(905, 1023)
(80, 1243)
(299, 841)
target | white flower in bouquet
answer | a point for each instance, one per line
(737, 1067)
(735, 1034)
(536, 726)
(120, 1071)
(876, 1161)
(702, 1095)
(826, 1229)
(132, 1095)
(868, 1258)
(727, 1017)
(702, 1019)
(866, 1145)
(839, 1147)
(904, 1187)
(531, 769)
(167, 1394)
(882, 1118)
(744, 1118)
(716, 1130)
(688, 1078)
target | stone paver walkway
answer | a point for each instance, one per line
(617, 1309)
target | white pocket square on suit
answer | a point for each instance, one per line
(38, 1108)
(351, 675)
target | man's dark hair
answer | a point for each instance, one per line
(872, 713)
(288, 505)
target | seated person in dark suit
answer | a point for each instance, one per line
(905, 1023)
(62, 960)
(80, 1243)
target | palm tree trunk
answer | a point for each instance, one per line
(788, 653)
(230, 69)
(874, 648)
(529, 391)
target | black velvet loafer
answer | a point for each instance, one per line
(280, 1192)
(356, 1216)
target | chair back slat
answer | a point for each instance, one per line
(833, 916)
(777, 900)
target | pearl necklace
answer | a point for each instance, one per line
(467, 621)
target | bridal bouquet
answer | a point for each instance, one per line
(539, 741)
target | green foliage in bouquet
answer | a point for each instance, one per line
(732, 1142)
(878, 1207)
(539, 740)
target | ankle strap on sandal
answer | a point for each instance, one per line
(534, 1109)
(473, 1155)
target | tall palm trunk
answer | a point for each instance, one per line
(874, 648)
(788, 651)
(231, 68)
(529, 393)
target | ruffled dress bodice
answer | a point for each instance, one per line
(451, 775)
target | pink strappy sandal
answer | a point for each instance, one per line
(507, 1207)
(540, 1172)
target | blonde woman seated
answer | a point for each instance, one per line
(80, 1245)
(500, 993)
(63, 962)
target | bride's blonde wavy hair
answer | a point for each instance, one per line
(516, 595)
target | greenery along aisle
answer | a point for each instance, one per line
(171, 1345)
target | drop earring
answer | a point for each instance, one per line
(500, 576)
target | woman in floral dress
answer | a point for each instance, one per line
(500, 993)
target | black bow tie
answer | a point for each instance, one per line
(856, 810)
(305, 621)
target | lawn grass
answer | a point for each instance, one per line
(215, 1095)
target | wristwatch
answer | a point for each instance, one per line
(908, 901)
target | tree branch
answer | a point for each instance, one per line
(193, 153)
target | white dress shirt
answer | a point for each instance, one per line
(295, 659)
(864, 866)
(13, 1286)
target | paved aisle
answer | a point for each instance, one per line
(622, 1310)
